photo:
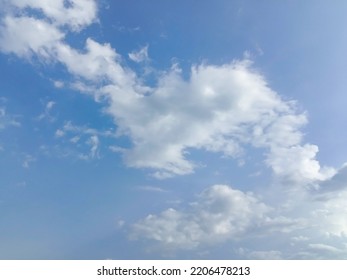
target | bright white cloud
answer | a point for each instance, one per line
(70, 128)
(218, 109)
(27, 36)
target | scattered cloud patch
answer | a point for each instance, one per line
(152, 189)
(7, 120)
(139, 56)
(46, 115)
(221, 213)
(58, 84)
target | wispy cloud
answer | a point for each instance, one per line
(220, 214)
(140, 55)
(152, 189)
(7, 120)
(46, 114)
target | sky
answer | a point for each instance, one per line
(173, 129)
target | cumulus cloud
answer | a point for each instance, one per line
(47, 112)
(218, 109)
(221, 213)
(310, 229)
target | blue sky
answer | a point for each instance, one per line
(172, 129)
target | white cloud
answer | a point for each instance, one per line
(26, 36)
(86, 140)
(116, 149)
(70, 128)
(300, 238)
(309, 229)
(59, 133)
(265, 255)
(323, 247)
(74, 13)
(97, 63)
(94, 146)
(7, 120)
(152, 189)
(75, 139)
(221, 213)
(218, 109)
(47, 112)
(58, 84)
(139, 56)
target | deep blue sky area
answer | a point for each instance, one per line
(173, 129)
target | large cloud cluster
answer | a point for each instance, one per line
(219, 109)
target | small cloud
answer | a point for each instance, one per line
(59, 133)
(116, 149)
(120, 223)
(58, 84)
(139, 56)
(28, 159)
(221, 213)
(7, 120)
(124, 29)
(265, 255)
(94, 143)
(324, 247)
(300, 238)
(75, 139)
(255, 174)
